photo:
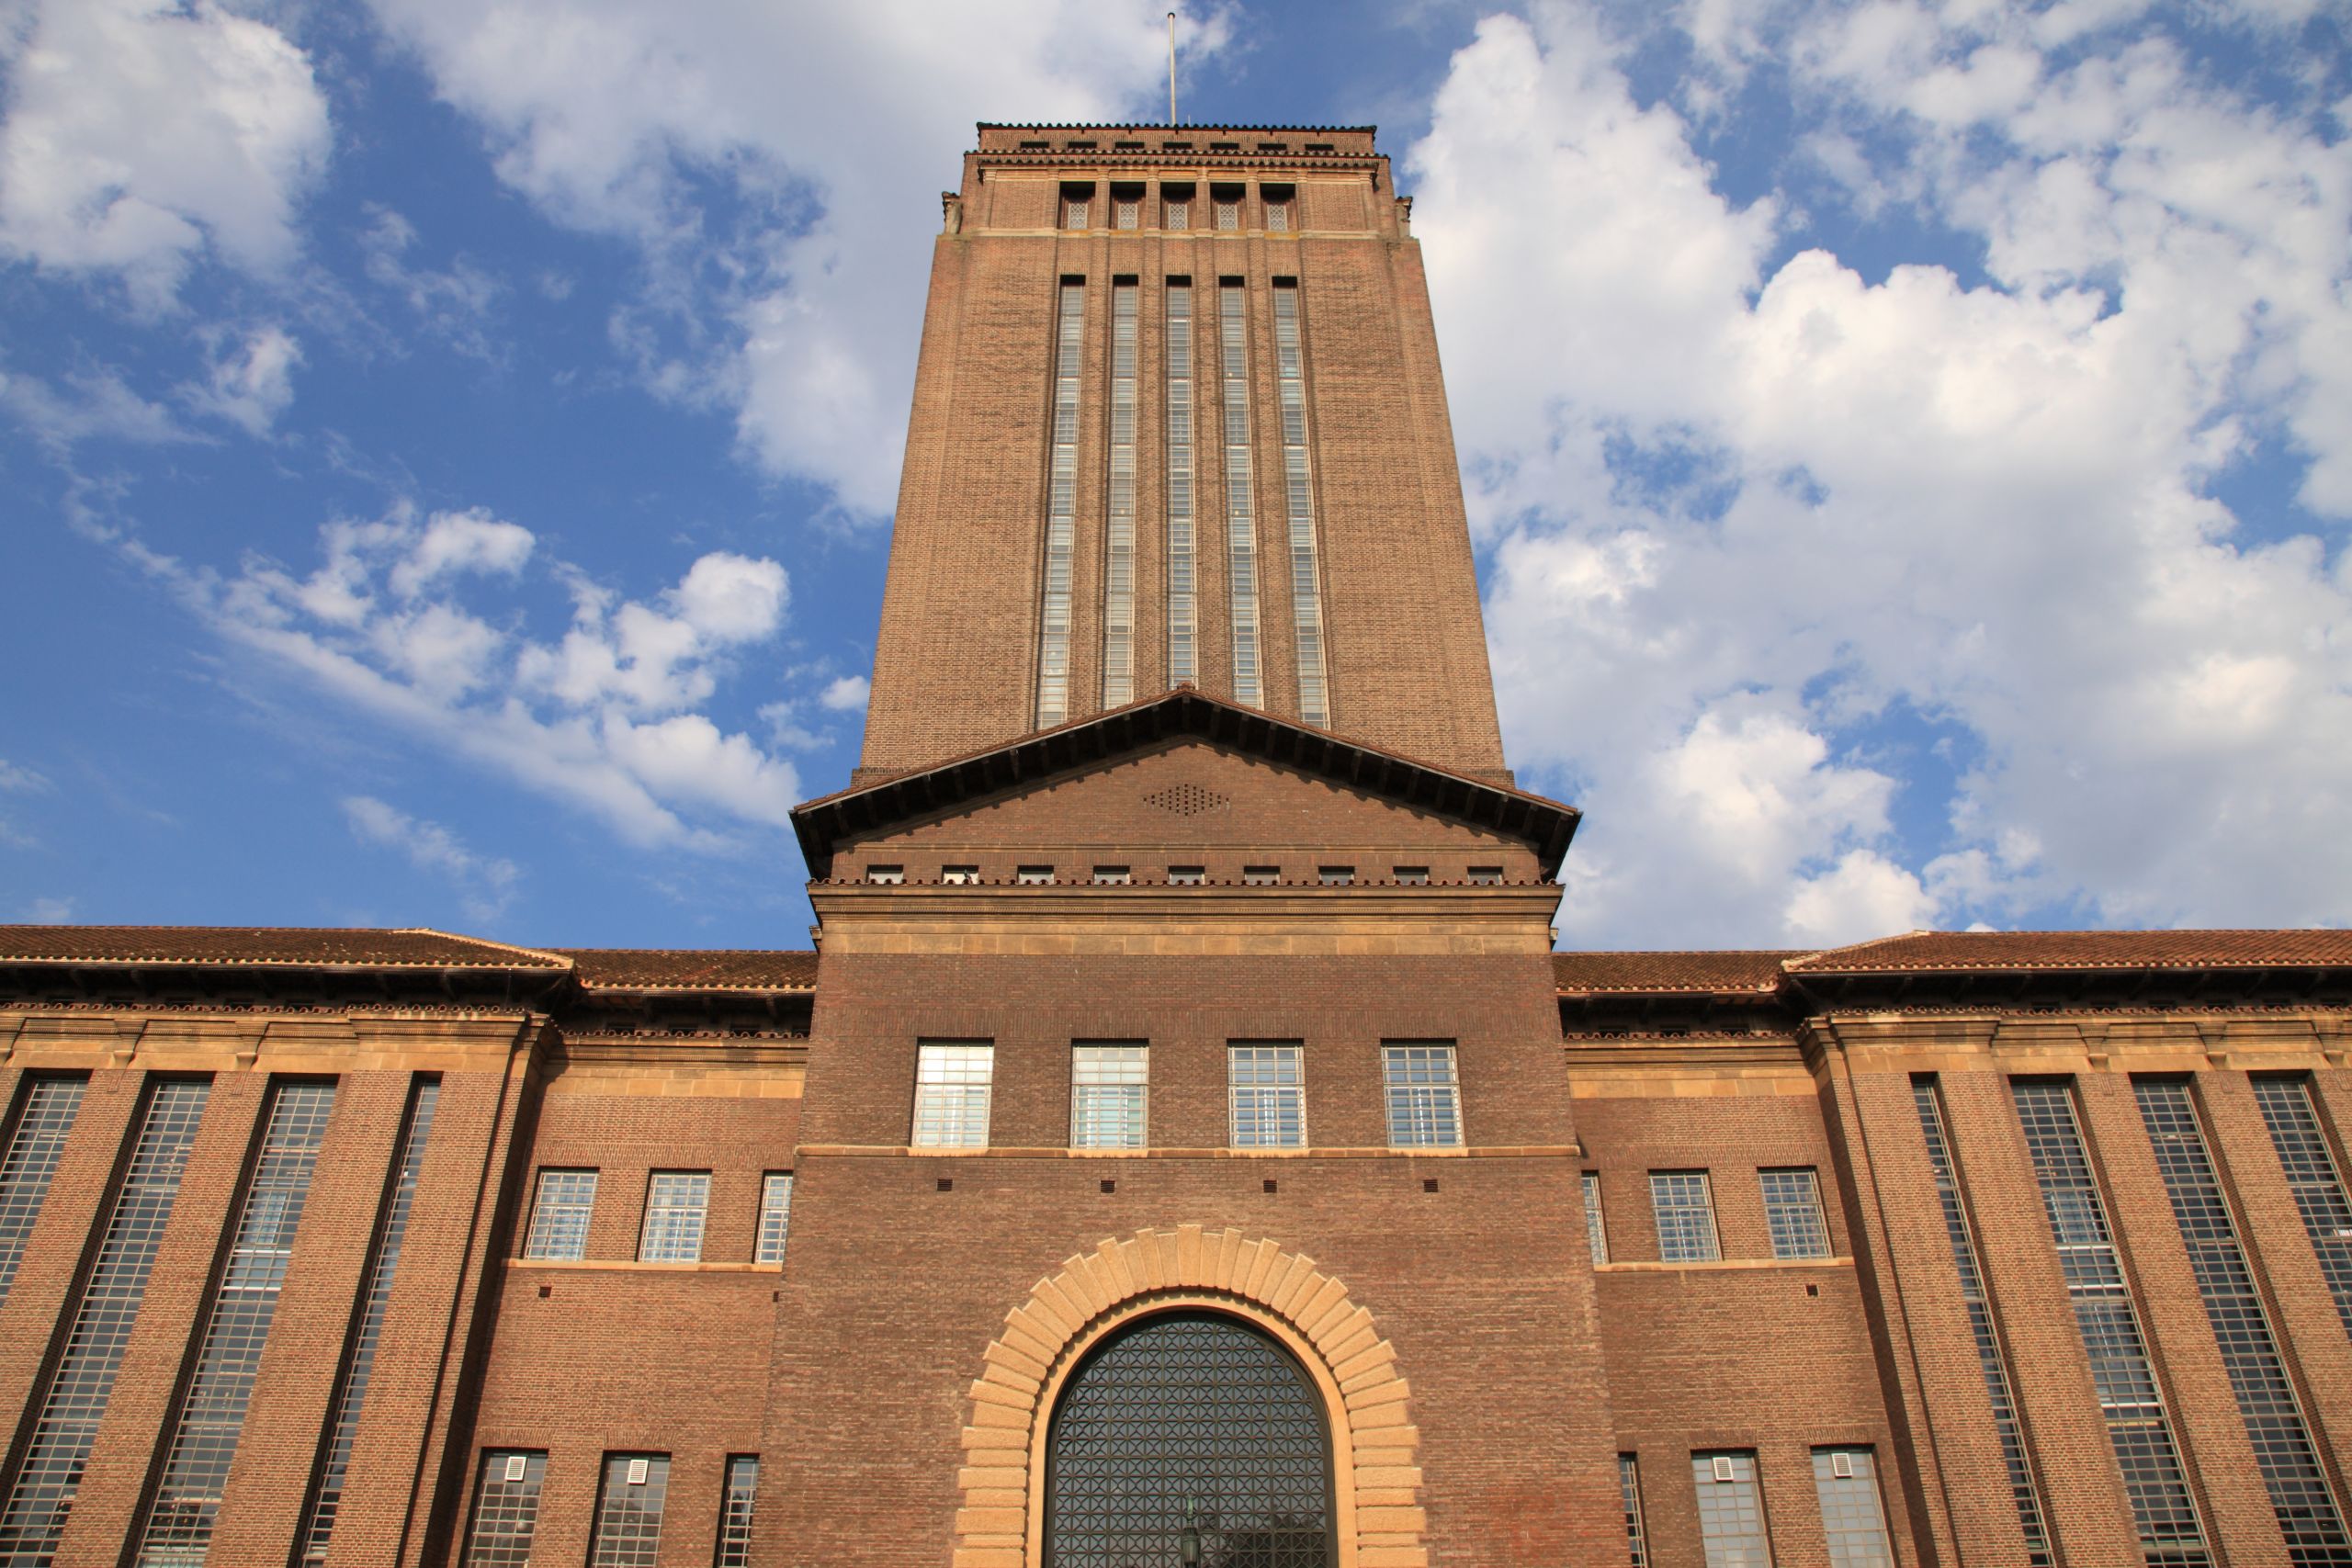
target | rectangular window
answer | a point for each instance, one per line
(1269, 1090)
(2313, 1179)
(1793, 1213)
(1119, 521)
(1184, 875)
(1423, 1109)
(359, 1364)
(35, 1145)
(506, 1508)
(1335, 875)
(1486, 875)
(675, 1204)
(960, 876)
(1061, 507)
(952, 1083)
(1034, 875)
(1260, 875)
(1277, 216)
(888, 876)
(735, 1512)
(1179, 214)
(212, 1415)
(1110, 1088)
(628, 1511)
(1229, 213)
(1112, 877)
(1846, 1483)
(1596, 1230)
(559, 1216)
(775, 1216)
(1298, 491)
(79, 1386)
(1076, 201)
(1240, 495)
(1629, 1483)
(1411, 875)
(1731, 1510)
(1183, 662)
(1125, 212)
(1686, 1216)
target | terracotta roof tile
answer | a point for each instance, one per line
(2011, 951)
(1592, 974)
(691, 969)
(271, 945)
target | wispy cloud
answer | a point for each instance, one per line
(485, 884)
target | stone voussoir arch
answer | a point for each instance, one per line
(1374, 1446)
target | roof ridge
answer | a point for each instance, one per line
(558, 959)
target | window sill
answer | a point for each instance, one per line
(631, 1265)
(1723, 1263)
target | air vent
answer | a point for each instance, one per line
(1723, 1468)
(1188, 800)
(1841, 1465)
(517, 1466)
(637, 1470)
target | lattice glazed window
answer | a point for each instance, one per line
(1731, 1510)
(35, 1145)
(1629, 1483)
(1846, 1480)
(559, 1216)
(1424, 1109)
(675, 1204)
(629, 1501)
(1240, 501)
(1596, 1226)
(1109, 1091)
(952, 1090)
(507, 1509)
(775, 1216)
(1685, 1209)
(1268, 1084)
(2313, 1179)
(1061, 510)
(1793, 1213)
(735, 1511)
(1119, 531)
(1298, 493)
(1184, 661)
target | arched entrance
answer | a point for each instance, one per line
(1189, 1437)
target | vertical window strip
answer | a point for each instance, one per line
(675, 1204)
(559, 1216)
(1731, 1511)
(1927, 1097)
(1269, 1096)
(1685, 1217)
(1306, 575)
(2308, 1515)
(2171, 1535)
(1424, 1109)
(1240, 504)
(1629, 1483)
(383, 1264)
(1119, 544)
(1793, 1213)
(775, 1216)
(2313, 1178)
(735, 1512)
(1109, 1096)
(35, 1145)
(507, 1509)
(40, 1495)
(1062, 511)
(1846, 1480)
(1183, 662)
(952, 1090)
(1596, 1228)
(628, 1511)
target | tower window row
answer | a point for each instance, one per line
(1179, 206)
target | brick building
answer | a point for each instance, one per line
(1183, 1144)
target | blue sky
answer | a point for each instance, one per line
(446, 446)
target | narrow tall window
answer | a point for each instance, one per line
(1229, 212)
(559, 1216)
(212, 1415)
(1109, 1096)
(1424, 1110)
(677, 1201)
(75, 1398)
(628, 1511)
(1298, 491)
(1629, 1483)
(1179, 214)
(775, 1216)
(2311, 1176)
(1596, 1227)
(952, 1083)
(735, 1512)
(383, 1261)
(2170, 1534)
(1240, 502)
(1119, 537)
(35, 1145)
(507, 1509)
(1126, 212)
(1928, 1098)
(1686, 1216)
(1793, 1213)
(1846, 1480)
(1269, 1095)
(1061, 510)
(2274, 1420)
(1183, 662)
(1731, 1511)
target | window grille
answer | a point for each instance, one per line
(559, 1216)
(507, 1509)
(1179, 215)
(628, 1511)
(1685, 1217)
(1125, 213)
(1183, 663)
(1240, 506)
(211, 1416)
(1229, 215)
(2313, 1178)
(1846, 1480)
(1110, 1088)
(952, 1083)
(1731, 1511)
(1596, 1228)
(75, 1398)
(675, 1204)
(1928, 1098)
(735, 1512)
(1299, 488)
(2274, 1420)
(1074, 212)
(1269, 1093)
(2170, 1533)
(1793, 1213)
(1119, 537)
(1277, 216)
(35, 1145)
(1423, 1108)
(1061, 510)
(359, 1366)
(1629, 1483)
(775, 1216)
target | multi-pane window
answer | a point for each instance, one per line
(1075, 209)
(1110, 1088)
(1277, 215)
(1424, 1110)
(1184, 661)
(675, 1204)
(1595, 1227)
(2274, 1420)
(1847, 1482)
(211, 1416)
(507, 1509)
(1298, 491)
(1062, 509)
(559, 1216)
(1119, 523)
(775, 1216)
(735, 1512)
(1793, 1213)
(1240, 498)
(1179, 213)
(1686, 1216)
(1731, 1510)
(2170, 1533)
(35, 1145)
(1629, 1483)
(952, 1085)
(2313, 1178)
(75, 1399)
(1229, 212)
(628, 1511)
(1928, 1098)
(1126, 212)
(1269, 1090)
(383, 1260)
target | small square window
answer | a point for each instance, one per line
(1112, 877)
(1335, 875)
(958, 876)
(1186, 876)
(1260, 875)
(1412, 875)
(1034, 875)
(887, 876)
(1486, 875)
